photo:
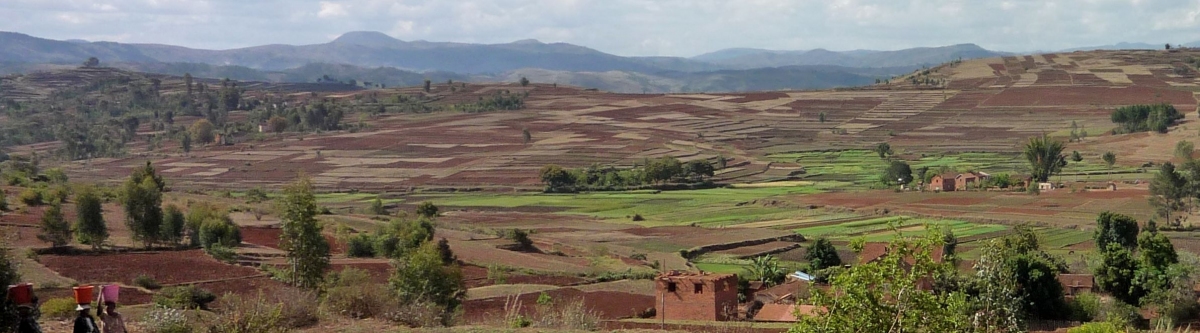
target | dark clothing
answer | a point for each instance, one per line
(85, 324)
(28, 325)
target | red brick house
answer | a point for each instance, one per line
(696, 296)
(942, 183)
(1075, 284)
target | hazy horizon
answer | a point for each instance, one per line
(621, 27)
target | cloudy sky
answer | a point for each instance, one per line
(624, 27)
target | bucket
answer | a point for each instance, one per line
(21, 293)
(110, 293)
(83, 295)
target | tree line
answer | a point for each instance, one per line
(651, 172)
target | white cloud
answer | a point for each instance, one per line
(330, 9)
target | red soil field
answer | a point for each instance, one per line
(269, 237)
(607, 304)
(1025, 211)
(476, 276)
(242, 286)
(129, 296)
(167, 268)
(953, 201)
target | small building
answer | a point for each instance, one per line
(1075, 284)
(965, 181)
(1046, 186)
(942, 183)
(696, 296)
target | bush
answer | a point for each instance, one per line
(1094, 328)
(3, 201)
(256, 195)
(58, 193)
(351, 293)
(59, 308)
(222, 253)
(638, 218)
(184, 297)
(31, 197)
(219, 232)
(248, 315)
(361, 246)
(166, 320)
(146, 282)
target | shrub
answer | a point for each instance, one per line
(146, 282)
(59, 308)
(298, 307)
(361, 246)
(58, 193)
(521, 237)
(1094, 328)
(638, 218)
(166, 320)
(351, 293)
(256, 195)
(222, 253)
(31, 197)
(219, 232)
(184, 297)
(255, 314)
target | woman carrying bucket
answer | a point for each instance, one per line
(113, 323)
(84, 323)
(27, 303)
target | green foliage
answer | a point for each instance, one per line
(697, 170)
(222, 253)
(521, 238)
(219, 232)
(277, 124)
(1171, 193)
(1141, 118)
(56, 176)
(184, 297)
(90, 227)
(883, 149)
(1109, 159)
(31, 197)
(897, 172)
(55, 229)
(377, 207)
(3, 201)
(1184, 149)
(307, 251)
(173, 225)
(501, 101)
(1076, 157)
(400, 237)
(351, 293)
(524, 81)
(147, 282)
(1113, 228)
(879, 296)
(1086, 307)
(62, 308)
(421, 277)
(8, 276)
(556, 178)
(766, 269)
(427, 209)
(1116, 272)
(821, 255)
(256, 195)
(142, 201)
(56, 193)
(361, 246)
(1045, 157)
(1095, 328)
(201, 131)
(1032, 271)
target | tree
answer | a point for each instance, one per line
(1109, 159)
(698, 169)
(1045, 157)
(428, 85)
(142, 200)
(1076, 157)
(426, 209)
(8, 276)
(821, 117)
(524, 81)
(185, 142)
(1155, 250)
(173, 225)
(766, 269)
(881, 295)
(187, 81)
(1115, 273)
(377, 207)
(1169, 191)
(91, 62)
(722, 162)
(277, 124)
(90, 227)
(883, 149)
(897, 172)
(821, 255)
(202, 131)
(1035, 273)
(307, 251)
(556, 178)
(55, 229)
(1112, 228)
(1183, 150)
(526, 136)
(421, 277)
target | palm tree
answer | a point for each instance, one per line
(1045, 157)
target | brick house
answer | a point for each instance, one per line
(964, 181)
(942, 183)
(1075, 284)
(696, 296)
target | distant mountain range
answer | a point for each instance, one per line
(378, 58)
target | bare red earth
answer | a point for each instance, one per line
(167, 268)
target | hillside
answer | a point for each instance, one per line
(914, 57)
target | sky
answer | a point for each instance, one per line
(623, 27)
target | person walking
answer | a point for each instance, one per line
(112, 321)
(84, 323)
(27, 319)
